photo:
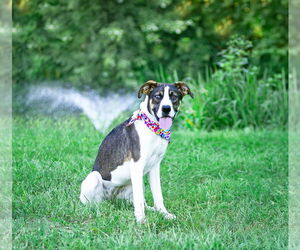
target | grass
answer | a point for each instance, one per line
(228, 190)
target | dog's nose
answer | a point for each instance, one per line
(166, 108)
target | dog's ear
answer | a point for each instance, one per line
(184, 89)
(147, 88)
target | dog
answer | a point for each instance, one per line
(136, 148)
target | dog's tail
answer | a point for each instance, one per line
(92, 188)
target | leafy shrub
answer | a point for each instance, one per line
(111, 44)
(234, 96)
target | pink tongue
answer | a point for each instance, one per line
(165, 122)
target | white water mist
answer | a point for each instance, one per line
(101, 110)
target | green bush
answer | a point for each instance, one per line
(234, 96)
(119, 44)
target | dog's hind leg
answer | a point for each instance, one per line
(125, 193)
(92, 188)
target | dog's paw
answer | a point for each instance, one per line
(169, 216)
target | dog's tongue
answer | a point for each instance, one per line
(165, 123)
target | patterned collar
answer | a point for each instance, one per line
(153, 126)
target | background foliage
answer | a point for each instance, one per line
(234, 95)
(120, 43)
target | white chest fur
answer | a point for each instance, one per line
(153, 147)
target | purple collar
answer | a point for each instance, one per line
(153, 126)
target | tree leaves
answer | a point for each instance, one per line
(105, 43)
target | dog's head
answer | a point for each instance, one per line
(164, 99)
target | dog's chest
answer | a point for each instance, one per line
(152, 146)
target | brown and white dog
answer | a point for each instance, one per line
(131, 151)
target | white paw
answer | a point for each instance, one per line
(169, 216)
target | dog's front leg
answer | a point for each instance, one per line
(136, 175)
(154, 179)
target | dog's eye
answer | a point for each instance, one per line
(174, 97)
(157, 96)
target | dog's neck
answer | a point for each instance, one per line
(144, 108)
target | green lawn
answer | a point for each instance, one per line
(228, 190)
